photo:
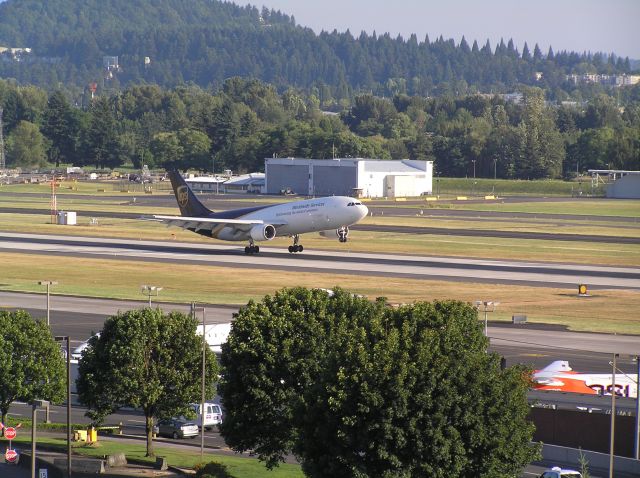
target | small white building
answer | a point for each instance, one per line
(349, 177)
(205, 184)
(252, 183)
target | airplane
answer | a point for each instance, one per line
(559, 376)
(264, 223)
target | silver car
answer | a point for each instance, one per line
(177, 428)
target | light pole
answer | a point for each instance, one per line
(474, 168)
(48, 283)
(65, 338)
(488, 306)
(637, 442)
(495, 168)
(35, 404)
(613, 416)
(195, 309)
(150, 290)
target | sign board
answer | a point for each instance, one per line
(43, 473)
(11, 455)
(10, 433)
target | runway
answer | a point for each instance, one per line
(342, 262)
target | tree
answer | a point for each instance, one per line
(60, 128)
(357, 388)
(101, 138)
(31, 363)
(26, 146)
(144, 359)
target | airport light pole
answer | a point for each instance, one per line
(150, 290)
(613, 416)
(474, 168)
(488, 306)
(48, 283)
(637, 431)
(65, 338)
(194, 310)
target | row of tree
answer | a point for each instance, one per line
(245, 121)
(349, 386)
(205, 42)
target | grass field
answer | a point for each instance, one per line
(606, 311)
(185, 457)
(511, 187)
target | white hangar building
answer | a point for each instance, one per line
(348, 177)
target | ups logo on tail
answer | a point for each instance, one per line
(182, 194)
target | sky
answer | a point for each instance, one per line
(574, 25)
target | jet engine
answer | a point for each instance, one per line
(263, 232)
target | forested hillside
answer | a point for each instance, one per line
(207, 41)
(244, 121)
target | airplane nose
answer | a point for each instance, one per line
(364, 211)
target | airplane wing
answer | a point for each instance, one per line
(204, 223)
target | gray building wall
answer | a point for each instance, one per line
(294, 177)
(334, 180)
(627, 187)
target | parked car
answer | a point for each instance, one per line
(557, 472)
(76, 354)
(177, 428)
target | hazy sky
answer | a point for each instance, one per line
(578, 25)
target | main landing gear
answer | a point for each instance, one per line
(296, 247)
(251, 249)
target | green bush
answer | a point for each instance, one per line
(213, 469)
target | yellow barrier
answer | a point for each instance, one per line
(462, 198)
(400, 199)
(431, 198)
(490, 197)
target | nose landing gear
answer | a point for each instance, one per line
(343, 233)
(296, 247)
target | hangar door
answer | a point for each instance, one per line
(334, 180)
(287, 177)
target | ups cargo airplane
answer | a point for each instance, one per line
(559, 376)
(264, 223)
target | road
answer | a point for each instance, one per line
(370, 264)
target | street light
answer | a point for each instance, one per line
(474, 168)
(488, 306)
(194, 310)
(65, 338)
(35, 404)
(150, 290)
(48, 283)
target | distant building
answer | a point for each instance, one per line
(110, 63)
(349, 177)
(605, 80)
(253, 183)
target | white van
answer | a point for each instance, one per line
(212, 416)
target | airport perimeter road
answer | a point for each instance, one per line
(344, 262)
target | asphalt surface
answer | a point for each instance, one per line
(370, 264)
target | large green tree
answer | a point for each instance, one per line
(31, 362)
(145, 359)
(26, 146)
(357, 388)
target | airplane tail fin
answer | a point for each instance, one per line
(188, 203)
(557, 366)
